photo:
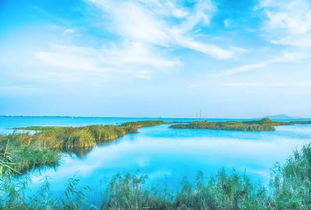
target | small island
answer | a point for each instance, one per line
(264, 124)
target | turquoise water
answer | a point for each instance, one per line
(167, 155)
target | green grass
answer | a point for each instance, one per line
(264, 124)
(18, 158)
(300, 122)
(228, 125)
(109, 132)
(43, 128)
(145, 123)
(54, 137)
(291, 184)
(290, 188)
(221, 192)
(45, 146)
(14, 196)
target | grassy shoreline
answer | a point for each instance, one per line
(290, 188)
(44, 147)
(22, 152)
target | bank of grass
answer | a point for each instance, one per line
(144, 123)
(221, 192)
(264, 124)
(43, 148)
(17, 158)
(82, 137)
(290, 188)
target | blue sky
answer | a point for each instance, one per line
(173, 58)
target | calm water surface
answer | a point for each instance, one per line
(167, 155)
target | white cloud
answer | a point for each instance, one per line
(72, 57)
(206, 48)
(146, 30)
(69, 31)
(288, 22)
(268, 84)
(161, 23)
(135, 59)
(284, 57)
(243, 68)
(135, 23)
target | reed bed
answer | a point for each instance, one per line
(264, 124)
(45, 146)
(290, 188)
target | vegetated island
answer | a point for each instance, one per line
(21, 152)
(264, 124)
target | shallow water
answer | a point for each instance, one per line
(169, 155)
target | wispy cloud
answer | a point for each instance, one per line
(146, 32)
(268, 84)
(131, 58)
(284, 57)
(287, 22)
(162, 23)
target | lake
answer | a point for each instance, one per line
(166, 155)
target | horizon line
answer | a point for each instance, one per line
(160, 117)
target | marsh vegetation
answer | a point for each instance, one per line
(290, 188)
(24, 151)
(264, 124)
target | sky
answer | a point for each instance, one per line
(155, 58)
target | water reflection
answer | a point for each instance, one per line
(165, 155)
(169, 155)
(183, 155)
(78, 152)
